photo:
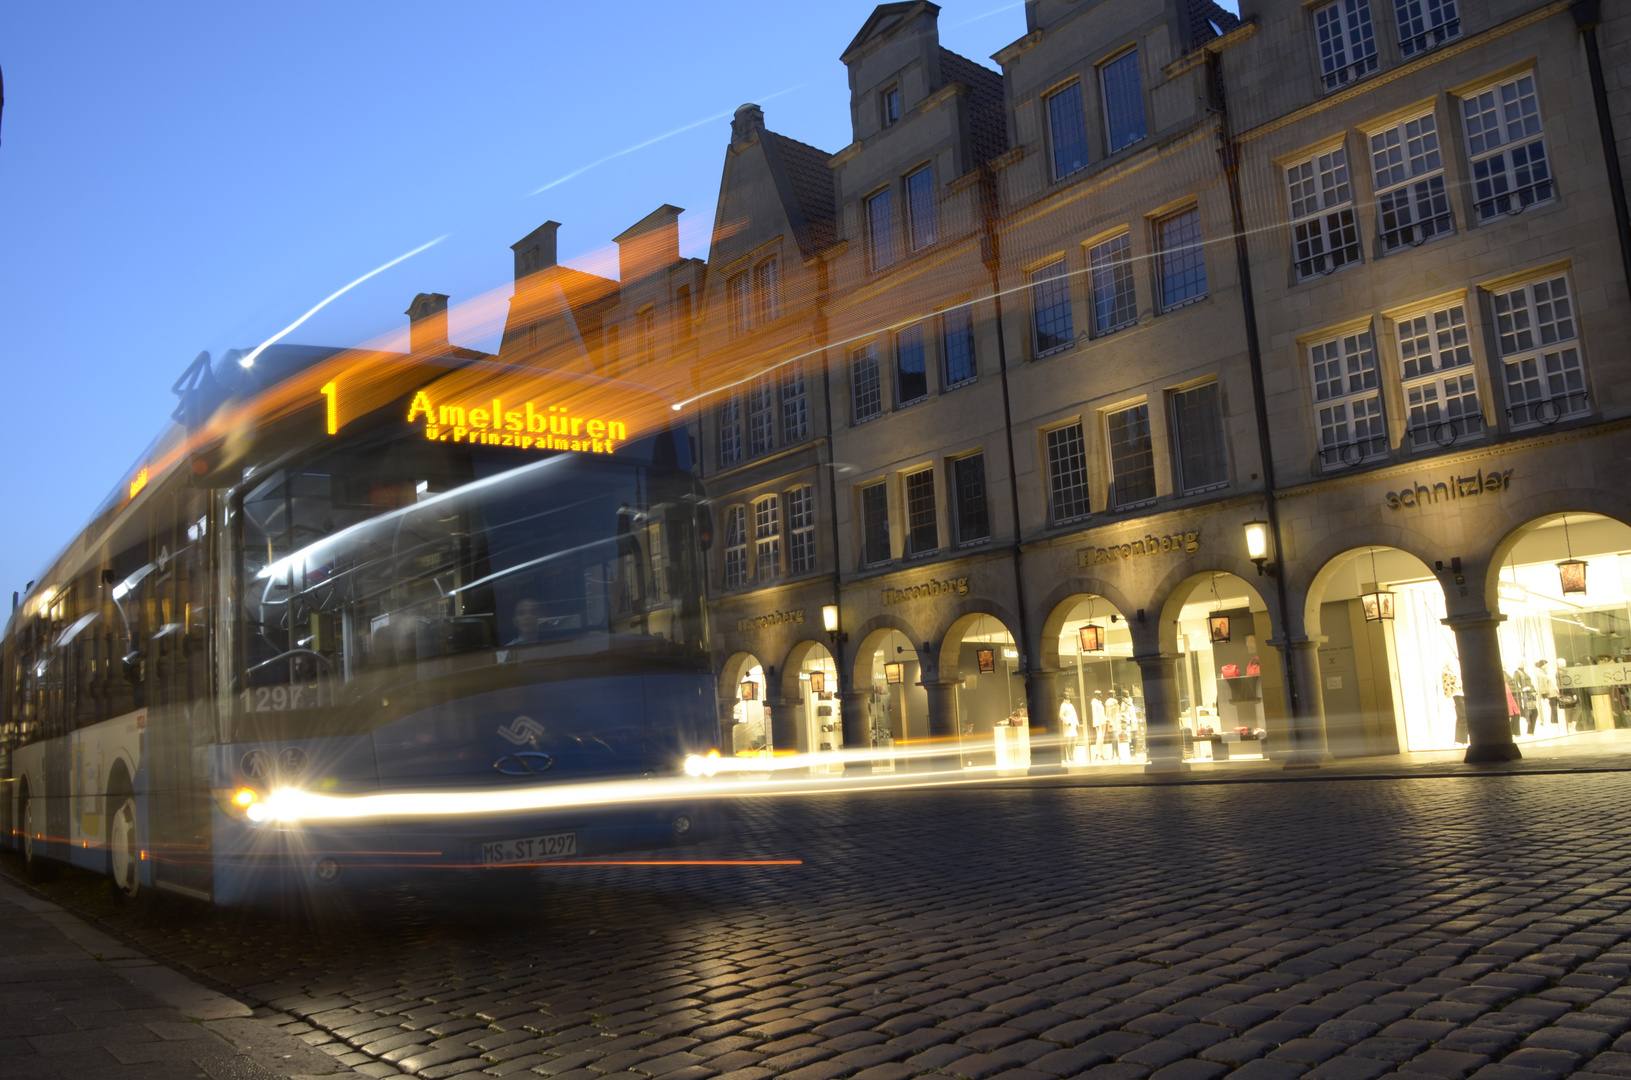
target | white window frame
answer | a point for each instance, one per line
(889, 105)
(1113, 285)
(1104, 72)
(1507, 157)
(1056, 97)
(914, 513)
(1119, 498)
(1346, 387)
(861, 492)
(767, 291)
(761, 418)
(881, 251)
(1347, 42)
(767, 538)
(1051, 283)
(863, 370)
(1438, 376)
(1537, 334)
(735, 548)
(739, 296)
(920, 211)
(1059, 461)
(1425, 24)
(795, 406)
(1175, 417)
(1168, 256)
(1407, 173)
(801, 523)
(1324, 224)
(728, 422)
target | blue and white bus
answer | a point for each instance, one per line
(434, 579)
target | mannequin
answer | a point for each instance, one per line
(1112, 726)
(1070, 725)
(1099, 719)
(1524, 688)
(1546, 688)
(1452, 690)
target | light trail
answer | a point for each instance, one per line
(249, 361)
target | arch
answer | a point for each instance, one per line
(1565, 504)
(730, 674)
(1060, 604)
(1335, 564)
(787, 681)
(1329, 556)
(1179, 586)
(870, 637)
(948, 649)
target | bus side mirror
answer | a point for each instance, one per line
(134, 666)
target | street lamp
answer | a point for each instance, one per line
(1259, 546)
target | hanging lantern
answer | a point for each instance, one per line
(1219, 627)
(1092, 638)
(750, 690)
(892, 673)
(818, 681)
(1572, 574)
(1378, 604)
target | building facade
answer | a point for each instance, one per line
(1193, 387)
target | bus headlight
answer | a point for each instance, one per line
(702, 765)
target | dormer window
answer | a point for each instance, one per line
(891, 105)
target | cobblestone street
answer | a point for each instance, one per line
(1334, 929)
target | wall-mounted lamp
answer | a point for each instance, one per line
(829, 623)
(1260, 546)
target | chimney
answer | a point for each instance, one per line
(427, 323)
(650, 244)
(536, 250)
(749, 119)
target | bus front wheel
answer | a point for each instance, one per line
(123, 846)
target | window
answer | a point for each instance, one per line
(957, 347)
(866, 396)
(1325, 235)
(1132, 457)
(729, 421)
(922, 531)
(1424, 24)
(795, 404)
(1347, 42)
(1123, 101)
(874, 524)
(648, 336)
(612, 352)
(801, 530)
(1067, 474)
(1538, 340)
(682, 312)
(911, 377)
(920, 207)
(736, 548)
(1183, 263)
(1067, 124)
(880, 230)
(1440, 393)
(761, 416)
(741, 302)
(1197, 427)
(889, 101)
(1115, 304)
(767, 538)
(1347, 402)
(1507, 148)
(1411, 205)
(767, 291)
(968, 489)
(1050, 308)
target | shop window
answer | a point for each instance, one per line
(1347, 42)
(1123, 101)
(736, 548)
(968, 489)
(1115, 302)
(761, 415)
(728, 419)
(1440, 392)
(1067, 126)
(1182, 260)
(1132, 457)
(1426, 24)
(1537, 335)
(801, 522)
(911, 376)
(920, 207)
(957, 347)
(767, 538)
(767, 290)
(875, 524)
(922, 528)
(1051, 322)
(1324, 231)
(866, 395)
(795, 404)
(1067, 474)
(1507, 148)
(1411, 204)
(880, 230)
(739, 291)
(1347, 400)
(1197, 426)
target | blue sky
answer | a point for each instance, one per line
(179, 177)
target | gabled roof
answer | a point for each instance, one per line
(884, 17)
(812, 185)
(1208, 21)
(987, 112)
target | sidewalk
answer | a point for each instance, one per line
(75, 1002)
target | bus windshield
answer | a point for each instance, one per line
(422, 570)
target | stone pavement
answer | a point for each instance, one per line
(78, 1003)
(1428, 926)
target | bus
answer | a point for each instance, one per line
(350, 574)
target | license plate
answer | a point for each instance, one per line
(527, 849)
